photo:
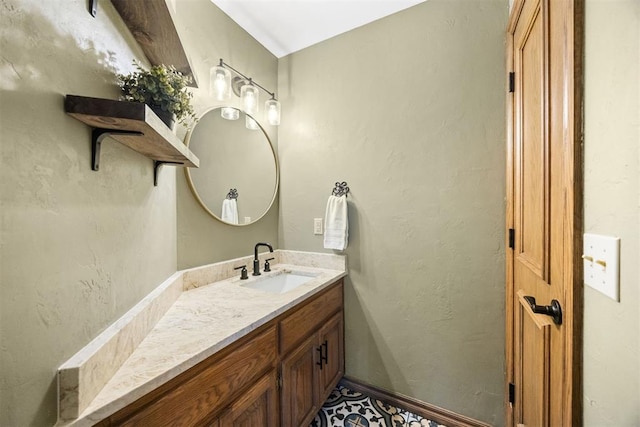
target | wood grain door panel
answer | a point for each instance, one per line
(257, 407)
(531, 186)
(332, 342)
(533, 357)
(299, 384)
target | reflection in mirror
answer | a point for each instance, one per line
(237, 180)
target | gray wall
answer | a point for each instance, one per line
(409, 110)
(78, 248)
(612, 207)
(209, 35)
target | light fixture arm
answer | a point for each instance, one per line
(251, 81)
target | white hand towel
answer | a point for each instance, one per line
(230, 211)
(336, 224)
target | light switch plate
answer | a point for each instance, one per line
(317, 225)
(601, 259)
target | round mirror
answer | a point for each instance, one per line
(237, 180)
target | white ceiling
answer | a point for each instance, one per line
(286, 26)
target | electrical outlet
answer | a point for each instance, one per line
(247, 219)
(317, 226)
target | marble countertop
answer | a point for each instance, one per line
(200, 322)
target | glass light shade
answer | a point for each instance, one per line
(219, 83)
(250, 123)
(230, 113)
(250, 98)
(273, 112)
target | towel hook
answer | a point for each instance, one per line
(340, 189)
(232, 194)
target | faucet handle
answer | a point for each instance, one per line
(267, 266)
(244, 275)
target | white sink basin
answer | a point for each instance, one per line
(281, 283)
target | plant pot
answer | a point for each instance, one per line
(167, 118)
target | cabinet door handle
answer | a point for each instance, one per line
(320, 358)
(325, 345)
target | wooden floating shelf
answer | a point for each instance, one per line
(151, 25)
(132, 124)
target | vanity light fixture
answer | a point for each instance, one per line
(273, 111)
(221, 84)
(250, 96)
(230, 113)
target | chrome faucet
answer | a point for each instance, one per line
(256, 261)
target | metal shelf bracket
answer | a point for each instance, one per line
(156, 169)
(97, 135)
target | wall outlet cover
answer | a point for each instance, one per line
(317, 226)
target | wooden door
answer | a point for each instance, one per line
(258, 406)
(299, 384)
(543, 347)
(332, 348)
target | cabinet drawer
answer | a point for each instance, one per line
(309, 317)
(212, 387)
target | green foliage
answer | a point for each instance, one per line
(161, 87)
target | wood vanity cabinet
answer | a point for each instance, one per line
(278, 375)
(313, 368)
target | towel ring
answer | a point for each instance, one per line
(340, 189)
(232, 194)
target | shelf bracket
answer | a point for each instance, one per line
(97, 135)
(156, 168)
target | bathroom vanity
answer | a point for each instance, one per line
(295, 359)
(207, 348)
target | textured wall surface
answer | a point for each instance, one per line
(612, 207)
(78, 248)
(211, 35)
(409, 110)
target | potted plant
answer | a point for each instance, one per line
(162, 88)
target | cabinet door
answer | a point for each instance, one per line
(332, 345)
(299, 389)
(258, 406)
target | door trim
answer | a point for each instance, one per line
(573, 15)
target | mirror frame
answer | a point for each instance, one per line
(187, 171)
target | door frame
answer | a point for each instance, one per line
(573, 16)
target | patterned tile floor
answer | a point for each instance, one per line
(347, 408)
